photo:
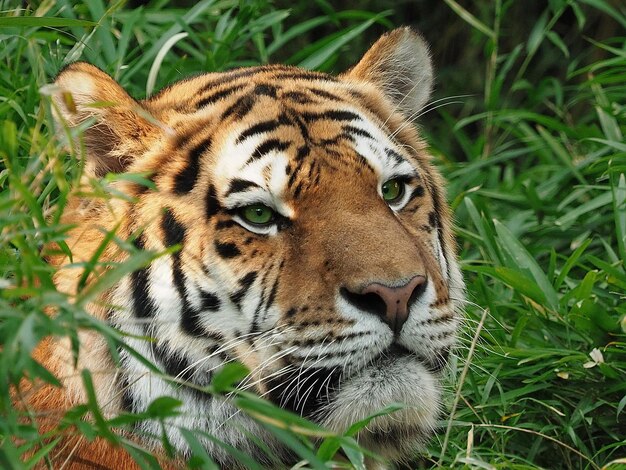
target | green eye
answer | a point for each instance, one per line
(392, 190)
(257, 214)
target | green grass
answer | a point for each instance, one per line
(534, 154)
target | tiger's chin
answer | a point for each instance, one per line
(399, 380)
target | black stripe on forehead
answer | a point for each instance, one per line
(298, 97)
(324, 94)
(295, 171)
(230, 76)
(266, 89)
(218, 95)
(358, 131)
(262, 127)
(240, 108)
(395, 156)
(332, 115)
(267, 147)
(302, 153)
(238, 185)
(308, 95)
(298, 74)
(186, 179)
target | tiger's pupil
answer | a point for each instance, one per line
(392, 190)
(257, 214)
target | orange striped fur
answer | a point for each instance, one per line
(315, 247)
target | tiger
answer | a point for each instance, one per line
(303, 231)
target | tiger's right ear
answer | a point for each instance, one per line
(399, 65)
(120, 130)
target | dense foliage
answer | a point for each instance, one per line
(528, 127)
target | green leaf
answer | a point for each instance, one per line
(247, 461)
(536, 35)
(31, 21)
(302, 450)
(615, 273)
(316, 59)
(142, 179)
(228, 376)
(471, 19)
(104, 31)
(517, 280)
(41, 453)
(620, 406)
(558, 42)
(101, 424)
(163, 407)
(354, 453)
(561, 152)
(188, 18)
(522, 259)
(200, 458)
(269, 413)
(619, 211)
(387, 410)
(604, 199)
(570, 263)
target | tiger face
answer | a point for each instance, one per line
(314, 244)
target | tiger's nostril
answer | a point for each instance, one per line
(391, 304)
(370, 303)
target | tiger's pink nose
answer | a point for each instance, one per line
(398, 300)
(391, 304)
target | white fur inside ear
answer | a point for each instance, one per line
(412, 82)
(399, 64)
(78, 87)
(86, 96)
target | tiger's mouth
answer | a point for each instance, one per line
(309, 390)
(435, 364)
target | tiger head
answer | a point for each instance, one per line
(314, 242)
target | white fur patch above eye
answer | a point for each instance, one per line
(252, 196)
(277, 184)
(266, 172)
(380, 151)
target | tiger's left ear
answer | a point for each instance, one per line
(399, 64)
(119, 129)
